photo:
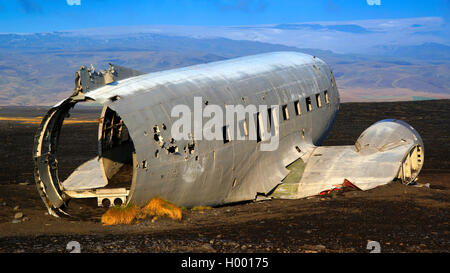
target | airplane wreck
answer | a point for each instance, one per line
(135, 140)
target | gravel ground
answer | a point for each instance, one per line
(400, 218)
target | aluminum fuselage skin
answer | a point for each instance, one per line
(216, 172)
(203, 172)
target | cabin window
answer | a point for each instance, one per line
(285, 112)
(226, 134)
(318, 101)
(298, 110)
(258, 127)
(308, 104)
(244, 127)
(269, 117)
(327, 98)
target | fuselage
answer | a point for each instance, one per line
(219, 133)
(211, 172)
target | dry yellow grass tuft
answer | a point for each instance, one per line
(161, 207)
(156, 208)
(120, 215)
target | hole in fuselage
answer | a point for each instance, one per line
(104, 172)
(80, 129)
(117, 151)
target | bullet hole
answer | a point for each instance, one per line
(114, 98)
(190, 148)
(172, 149)
(144, 164)
(156, 135)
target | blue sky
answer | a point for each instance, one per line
(57, 15)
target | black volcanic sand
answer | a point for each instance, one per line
(401, 218)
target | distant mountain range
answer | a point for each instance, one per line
(345, 37)
(38, 69)
(426, 51)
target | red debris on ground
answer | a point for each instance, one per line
(339, 188)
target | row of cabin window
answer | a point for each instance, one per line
(285, 110)
(308, 102)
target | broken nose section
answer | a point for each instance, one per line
(108, 178)
(46, 163)
(96, 178)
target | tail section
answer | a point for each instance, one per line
(387, 150)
